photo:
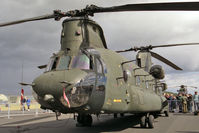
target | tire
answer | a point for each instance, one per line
(151, 121)
(121, 114)
(88, 120)
(80, 119)
(143, 121)
(115, 115)
(166, 113)
(84, 120)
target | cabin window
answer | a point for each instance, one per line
(147, 84)
(139, 62)
(154, 88)
(64, 62)
(138, 80)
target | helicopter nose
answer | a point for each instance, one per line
(49, 86)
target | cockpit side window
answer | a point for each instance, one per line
(49, 66)
(52, 64)
(99, 66)
(55, 63)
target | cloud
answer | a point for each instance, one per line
(189, 79)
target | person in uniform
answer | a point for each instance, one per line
(184, 103)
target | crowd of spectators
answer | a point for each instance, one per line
(183, 102)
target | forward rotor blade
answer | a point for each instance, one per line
(172, 45)
(28, 20)
(157, 56)
(172, 6)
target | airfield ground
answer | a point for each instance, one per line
(46, 123)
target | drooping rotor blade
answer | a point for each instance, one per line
(56, 15)
(27, 20)
(157, 56)
(172, 45)
(26, 84)
(150, 47)
(42, 66)
(172, 6)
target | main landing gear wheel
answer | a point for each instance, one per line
(147, 119)
(115, 115)
(121, 114)
(143, 121)
(151, 121)
(84, 120)
(166, 113)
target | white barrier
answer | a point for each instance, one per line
(13, 109)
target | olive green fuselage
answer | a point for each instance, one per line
(86, 77)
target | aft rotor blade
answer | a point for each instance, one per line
(127, 50)
(159, 57)
(172, 6)
(26, 84)
(150, 47)
(28, 20)
(173, 45)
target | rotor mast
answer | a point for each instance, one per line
(81, 32)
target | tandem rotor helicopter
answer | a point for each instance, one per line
(183, 89)
(85, 77)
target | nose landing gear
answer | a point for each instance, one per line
(84, 120)
(57, 114)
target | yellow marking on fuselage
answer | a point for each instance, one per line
(117, 100)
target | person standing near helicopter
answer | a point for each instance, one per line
(196, 101)
(184, 103)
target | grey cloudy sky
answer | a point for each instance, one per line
(33, 43)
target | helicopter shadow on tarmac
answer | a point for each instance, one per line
(105, 124)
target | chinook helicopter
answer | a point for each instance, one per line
(85, 77)
(184, 89)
